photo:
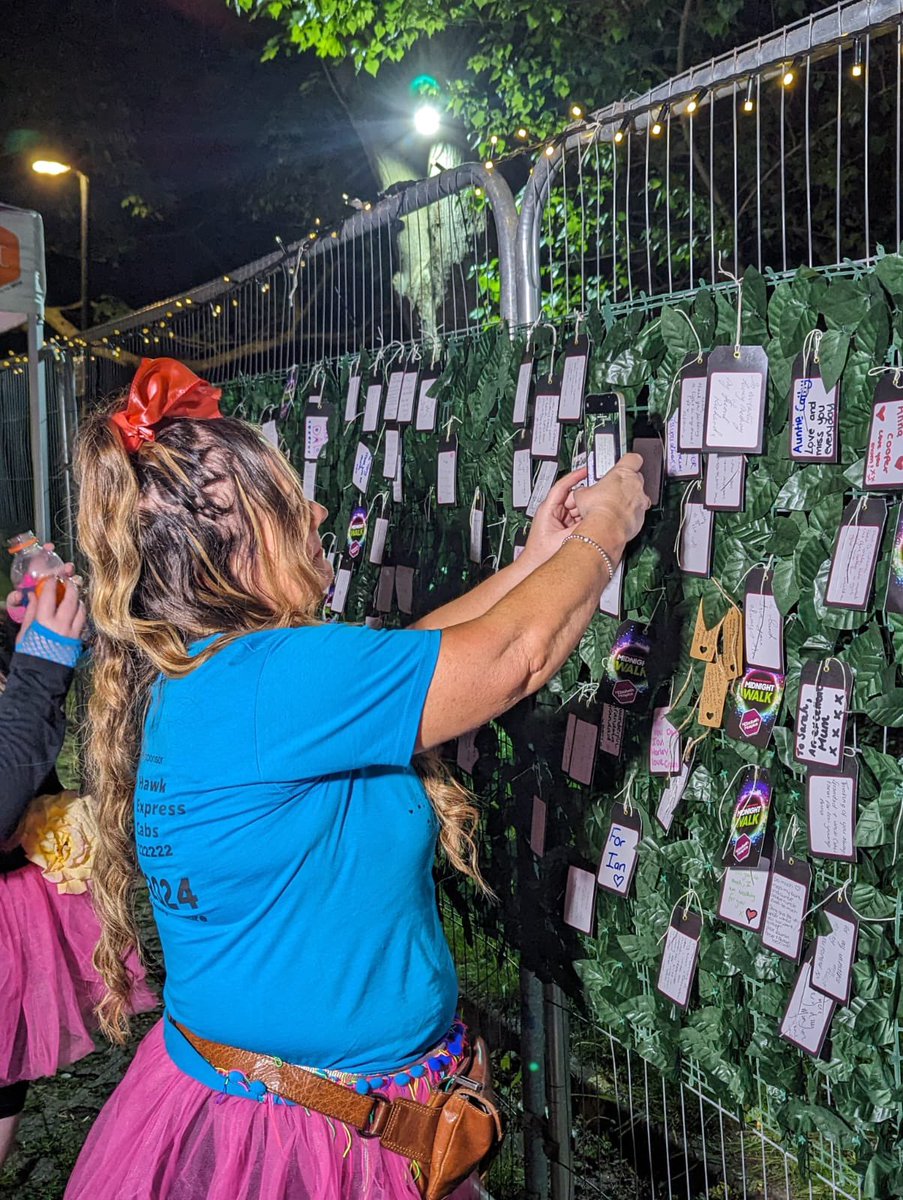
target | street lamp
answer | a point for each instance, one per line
(45, 166)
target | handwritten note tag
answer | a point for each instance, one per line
(893, 600)
(309, 480)
(538, 826)
(884, 457)
(522, 472)
(393, 395)
(664, 744)
(611, 735)
(407, 397)
(831, 811)
(763, 625)
(352, 397)
(475, 541)
(813, 414)
(392, 448)
(725, 482)
(671, 797)
(611, 602)
(378, 542)
(404, 589)
(785, 906)
(385, 590)
(545, 476)
(398, 481)
(580, 742)
(742, 899)
(580, 900)
(835, 952)
(371, 408)
(856, 554)
(522, 392)
(678, 464)
(735, 400)
(678, 966)
(447, 472)
(691, 410)
(619, 854)
(573, 381)
(821, 714)
(695, 554)
(316, 431)
(427, 402)
(363, 465)
(546, 439)
(806, 1022)
(340, 589)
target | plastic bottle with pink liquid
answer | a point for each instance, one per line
(31, 567)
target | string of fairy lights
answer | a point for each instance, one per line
(616, 128)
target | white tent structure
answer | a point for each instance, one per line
(22, 292)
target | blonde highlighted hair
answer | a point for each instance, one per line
(203, 531)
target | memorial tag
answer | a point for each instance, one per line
(691, 409)
(735, 400)
(855, 554)
(681, 954)
(619, 854)
(725, 482)
(573, 381)
(884, 457)
(808, 1015)
(813, 414)
(831, 802)
(786, 905)
(821, 713)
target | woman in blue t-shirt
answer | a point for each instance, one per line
(255, 764)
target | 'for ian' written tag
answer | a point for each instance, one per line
(619, 854)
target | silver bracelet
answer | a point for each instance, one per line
(580, 537)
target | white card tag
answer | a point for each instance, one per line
(522, 473)
(404, 589)
(538, 827)
(316, 435)
(385, 589)
(371, 408)
(391, 451)
(884, 457)
(408, 396)
(835, 953)
(573, 381)
(671, 797)
(363, 465)
(691, 409)
(664, 745)
(821, 713)
(340, 590)
(763, 625)
(695, 557)
(605, 454)
(352, 397)
(678, 965)
(393, 395)
(808, 1016)
(447, 472)
(619, 854)
(742, 899)
(522, 392)
(679, 465)
(831, 812)
(475, 545)
(581, 739)
(467, 753)
(427, 403)
(546, 475)
(271, 433)
(309, 480)
(813, 414)
(580, 900)
(725, 482)
(785, 907)
(378, 540)
(735, 400)
(611, 600)
(546, 439)
(856, 554)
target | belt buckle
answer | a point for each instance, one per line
(379, 1117)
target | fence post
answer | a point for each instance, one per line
(533, 1056)
(37, 414)
(558, 1070)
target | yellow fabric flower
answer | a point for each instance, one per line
(58, 834)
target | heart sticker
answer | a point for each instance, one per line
(881, 412)
(619, 880)
(751, 914)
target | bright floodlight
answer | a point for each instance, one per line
(427, 120)
(45, 166)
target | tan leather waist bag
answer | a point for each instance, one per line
(455, 1133)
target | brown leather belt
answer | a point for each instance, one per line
(403, 1126)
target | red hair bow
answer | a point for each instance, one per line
(163, 387)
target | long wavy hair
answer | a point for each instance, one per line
(203, 531)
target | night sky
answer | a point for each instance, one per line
(167, 101)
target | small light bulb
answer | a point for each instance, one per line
(576, 111)
(658, 123)
(788, 78)
(494, 141)
(521, 133)
(488, 164)
(550, 150)
(692, 106)
(478, 191)
(858, 67)
(749, 103)
(622, 130)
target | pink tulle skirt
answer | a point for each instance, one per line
(48, 987)
(164, 1136)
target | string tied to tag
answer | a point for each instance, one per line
(324, 539)
(549, 325)
(452, 420)
(789, 834)
(583, 693)
(382, 499)
(685, 903)
(497, 557)
(739, 283)
(730, 784)
(896, 367)
(812, 348)
(627, 792)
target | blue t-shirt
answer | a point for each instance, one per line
(288, 847)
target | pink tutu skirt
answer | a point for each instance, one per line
(164, 1136)
(48, 986)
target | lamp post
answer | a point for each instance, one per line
(44, 166)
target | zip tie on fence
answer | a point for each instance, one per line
(739, 283)
(811, 345)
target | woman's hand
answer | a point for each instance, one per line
(555, 519)
(618, 499)
(67, 618)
